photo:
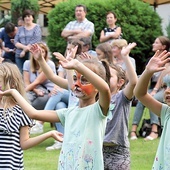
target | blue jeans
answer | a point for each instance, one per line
(58, 101)
(20, 61)
(140, 108)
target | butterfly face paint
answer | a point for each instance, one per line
(166, 81)
(81, 82)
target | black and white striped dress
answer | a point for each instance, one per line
(11, 154)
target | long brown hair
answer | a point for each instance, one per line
(34, 63)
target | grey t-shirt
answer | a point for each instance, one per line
(117, 121)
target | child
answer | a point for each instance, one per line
(116, 144)
(84, 124)
(104, 51)
(14, 123)
(157, 63)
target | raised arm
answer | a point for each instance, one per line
(36, 51)
(156, 63)
(131, 73)
(93, 78)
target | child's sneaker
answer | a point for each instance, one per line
(56, 145)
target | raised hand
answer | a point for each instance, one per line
(84, 56)
(36, 51)
(126, 50)
(158, 61)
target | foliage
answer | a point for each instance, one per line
(4, 20)
(139, 23)
(18, 6)
(168, 29)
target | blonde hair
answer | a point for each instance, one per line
(34, 63)
(119, 43)
(12, 79)
(121, 74)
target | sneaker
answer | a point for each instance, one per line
(36, 129)
(56, 145)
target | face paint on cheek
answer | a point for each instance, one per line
(166, 80)
(87, 89)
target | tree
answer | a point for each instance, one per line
(168, 29)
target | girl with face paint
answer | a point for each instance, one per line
(84, 125)
(157, 63)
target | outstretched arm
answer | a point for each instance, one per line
(131, 73)
(26, 142)
(36, 51)
(43, 115)
(156, 63)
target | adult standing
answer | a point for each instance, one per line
(27, 34)
(111, 32)
(81, 27)
(6, 37)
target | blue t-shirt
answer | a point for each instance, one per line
(84, 130)
(7, 43)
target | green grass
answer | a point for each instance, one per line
(142, 153)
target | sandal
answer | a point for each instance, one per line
(134, 137)
(150, 137)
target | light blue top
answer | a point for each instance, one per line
(162, 158)
(83, 138)
(48, 84)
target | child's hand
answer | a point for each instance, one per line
(84, 56)
(69, 63)
(72, 53)
(36, 51)
(158, 61)
(126, 50)
(59, 56)
(6, 92)
(57, 135)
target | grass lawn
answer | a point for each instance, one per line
(142, 153)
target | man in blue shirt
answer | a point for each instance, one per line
(6, 40)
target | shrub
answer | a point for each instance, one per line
(138, 21)
(168, 29)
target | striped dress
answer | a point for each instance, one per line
(11, 154)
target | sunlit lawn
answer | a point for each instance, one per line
(142, 154)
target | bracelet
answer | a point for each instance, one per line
(155, 89)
